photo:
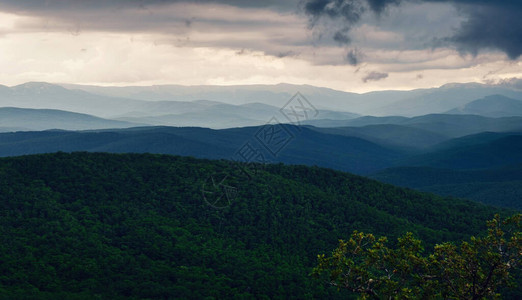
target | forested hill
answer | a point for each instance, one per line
(134, 226)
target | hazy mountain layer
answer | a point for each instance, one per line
(16, 119)
(382, 103)
(491, 106)
(439, 124)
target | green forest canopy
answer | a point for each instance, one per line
(138, 226)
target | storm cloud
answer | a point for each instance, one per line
(488, 24)
(496, 25)
(335, 43)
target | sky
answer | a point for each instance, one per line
(349, 45)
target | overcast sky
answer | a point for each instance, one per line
(350, 45)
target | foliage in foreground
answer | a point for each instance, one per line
(472, 270)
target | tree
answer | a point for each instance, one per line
(472, 270)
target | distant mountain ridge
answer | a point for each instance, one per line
(41, 95)
(442, 124)
(491, 106)
(12, 118)
(344, 149)
(454, 129)
(216, 115)
(201, 112)
(304, 145)
(230, 106)
(380, 103)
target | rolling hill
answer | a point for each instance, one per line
(362, 150)
(485, 167)
(297, 145)
(497, 186)
(139, 226)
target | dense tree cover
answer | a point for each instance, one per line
(502, 194)
(138, 226)
(474, 270)
(498, 186)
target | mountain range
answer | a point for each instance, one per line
(217, 192)
(468, 128)
(304, 145)
(313, 146)
(382, 103)
(113, 102)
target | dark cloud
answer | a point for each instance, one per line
(341, 38)
(496, 25)
(489, 24)
(374, 76)
(349, 10)
(378, 6)
(353, 57)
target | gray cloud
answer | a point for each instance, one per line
(31, 5)
(497, 25)
(374, 76)
(489, 24)
(378, 6)
(341, 37)
(353, 57)
(348, 12)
